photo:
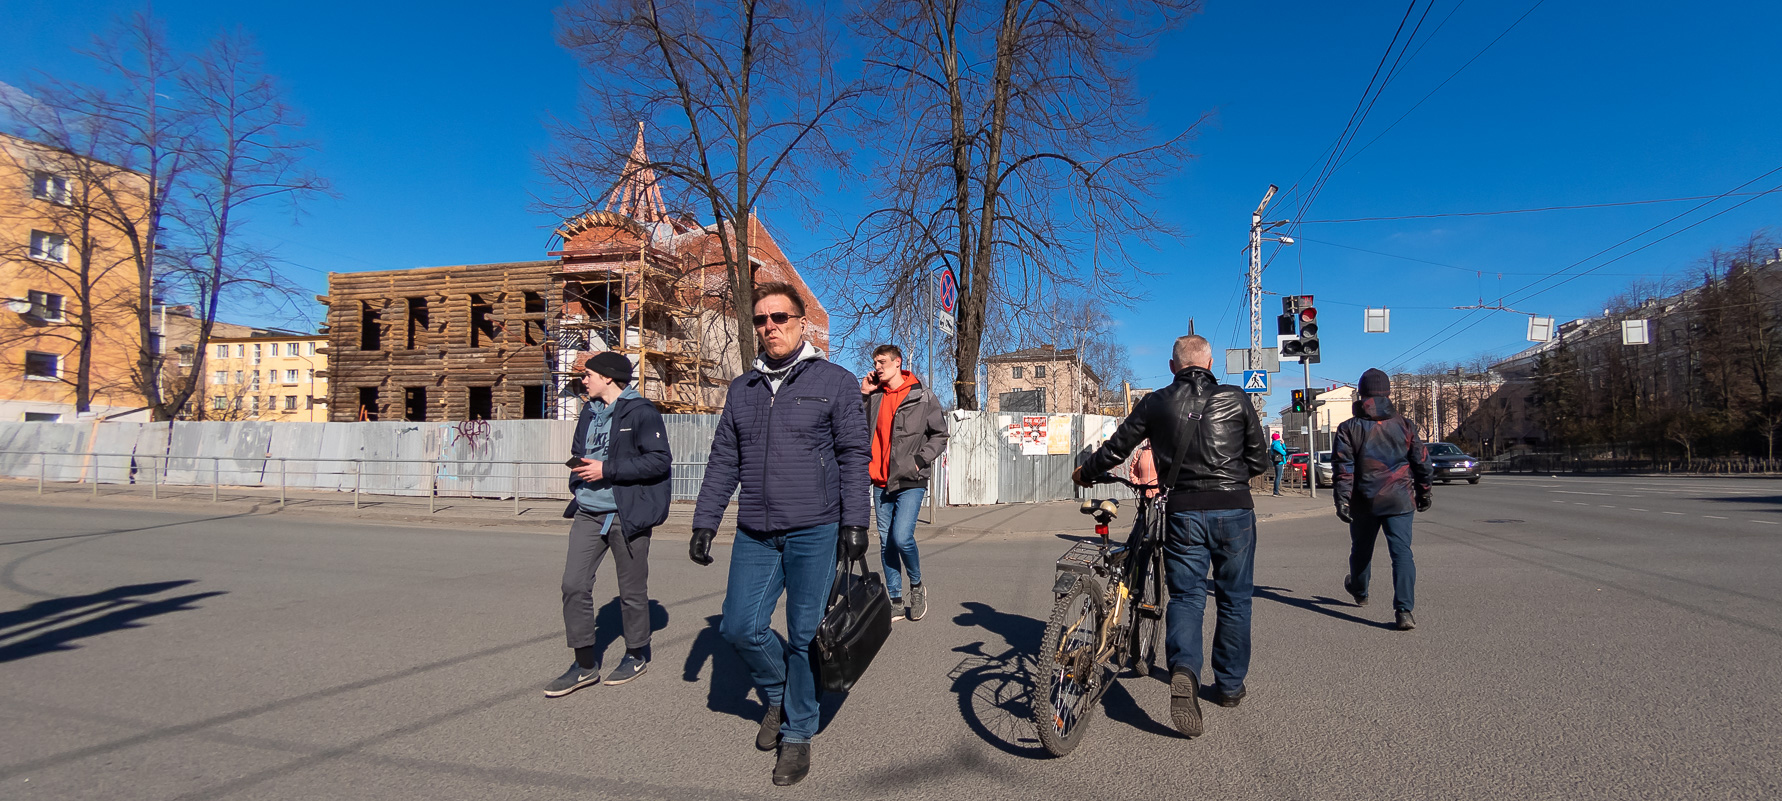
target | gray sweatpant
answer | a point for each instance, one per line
(631, 560)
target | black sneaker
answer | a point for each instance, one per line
(574, 679)
(769, 735)
(897, 609)
(629, 668)
(1405, 622)
(1360, 597)
(793, 764)
(1232, 699)
(1184, 702)
(918, 602)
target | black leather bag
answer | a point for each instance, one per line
(855, 625)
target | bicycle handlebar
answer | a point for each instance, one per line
(1110, 478)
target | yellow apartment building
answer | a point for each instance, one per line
(68, 289)
(267, 377)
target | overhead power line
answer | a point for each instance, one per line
(1537, 209)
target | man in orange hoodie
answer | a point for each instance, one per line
(909, 432)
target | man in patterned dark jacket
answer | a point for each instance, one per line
(1382, 474)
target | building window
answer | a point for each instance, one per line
(291, 348)
(41, 366)
(312, 375)
(185, 353)
(1039, 371)
(222, 351)
(257, 353)
(237, 376)
(42, 417)
(1016, 372)
(290, 403)
(50, 186)
(256, 408)
(222, 377)
(218, 402)
(52, 247)
(240, 351)
(238, 403)
(309, 402)
(290, 376)
(45, 305)
(255, 383)
(312, 348)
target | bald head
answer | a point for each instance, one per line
(1192, 350)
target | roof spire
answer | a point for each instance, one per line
(638, 195)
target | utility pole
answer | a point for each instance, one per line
(1311, 432)
(1255, 280)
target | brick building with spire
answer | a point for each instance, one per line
(499, 341)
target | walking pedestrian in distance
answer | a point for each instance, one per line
(1206, 435)
(1278, 455)
(909, 433)
(619, 472)
(793, 435)
(1382, 479)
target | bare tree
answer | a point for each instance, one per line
(739, 98)
(1006, 136)
(202, 139)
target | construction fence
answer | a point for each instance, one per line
(991, 458)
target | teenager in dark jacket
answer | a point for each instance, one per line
(621, 492)
(1212, 518)
(909, 433)
(1382, 479)
(794, 437)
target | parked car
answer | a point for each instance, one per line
(1326, 472)
(1450, 462)
(1296, 466)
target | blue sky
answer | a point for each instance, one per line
(428, 116)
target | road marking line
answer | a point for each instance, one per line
(1673, 513)
(1767, 522)
(1575, 503)
(1714, 517)
(1605, 506)
(1631, 509)
(1571, 492)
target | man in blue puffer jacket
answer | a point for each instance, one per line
(793, 434)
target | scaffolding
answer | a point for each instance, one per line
(635, 302)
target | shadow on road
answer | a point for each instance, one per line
(995, 690)
(54, 624)
(609, 624)
(1320, 604)
(732, 688)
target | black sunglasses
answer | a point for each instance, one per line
(778, 318)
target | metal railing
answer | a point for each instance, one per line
(436, 478)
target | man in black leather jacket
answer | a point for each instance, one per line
(1212, 520)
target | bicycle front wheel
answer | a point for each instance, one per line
(1068, 674)
(1149, 603)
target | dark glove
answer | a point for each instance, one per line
(1425, 498)
(1343, 512)
(700, 549)
(853, 542)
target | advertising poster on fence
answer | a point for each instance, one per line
(1029, 433)
(1058, 435)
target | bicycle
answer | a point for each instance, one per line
(1098, 630)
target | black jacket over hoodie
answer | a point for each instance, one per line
(1227, 451)
(638, 463)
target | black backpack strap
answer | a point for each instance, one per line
(1194, 409)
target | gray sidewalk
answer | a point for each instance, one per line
(1038, 519)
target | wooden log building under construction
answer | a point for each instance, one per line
(500, 341)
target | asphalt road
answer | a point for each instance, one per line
(1614, 638)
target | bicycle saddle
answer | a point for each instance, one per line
(1106, 507)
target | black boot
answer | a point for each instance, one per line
(769, 735)
(793, 764)
(1184, 702)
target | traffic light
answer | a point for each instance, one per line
(1299, 401)
(1287, 336)
(1308, 333)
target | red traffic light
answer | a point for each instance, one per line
(1308, 315)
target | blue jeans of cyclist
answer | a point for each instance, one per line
(1225, 541)
(896, 512)
(800, 563)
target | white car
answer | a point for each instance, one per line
(1326, 471)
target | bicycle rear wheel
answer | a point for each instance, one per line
(1149, 603)
(1068, 675)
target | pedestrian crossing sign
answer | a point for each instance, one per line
(1256, 381)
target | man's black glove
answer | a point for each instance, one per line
(1425, 498)
(1343, 512)
(853, 542)
(700, 549)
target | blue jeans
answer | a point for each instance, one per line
(1225, 538)
(800, 562)
(1279, 469)
(897, 512)
(1363, 533)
